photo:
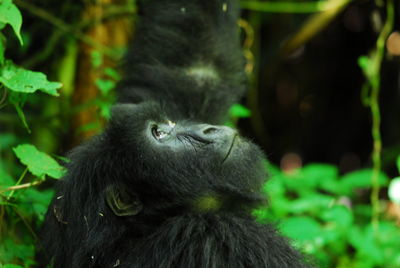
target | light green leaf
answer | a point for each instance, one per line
(364, 62)
(398, 163)
(9, 14)
(363, 240)
(314, 202)
(359, 179)
(97, 58)
(38, 163)
(112, 73)
(239, 111)
(20, 80)
(301, 228)
(341, 216)
(105, 86)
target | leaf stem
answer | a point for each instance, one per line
(12, 188)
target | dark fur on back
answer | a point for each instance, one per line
(185, 65)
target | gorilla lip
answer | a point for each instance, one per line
(230, 148)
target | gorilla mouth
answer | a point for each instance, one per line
(230, 148)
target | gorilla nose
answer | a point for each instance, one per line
(213, 133)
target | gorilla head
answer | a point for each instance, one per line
(181, 161)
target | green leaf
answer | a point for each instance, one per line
(9, 14)
(314, 202)
(105, 86)
(112, 73)
(364, 62)
(10, 251)
(5, 178)
(359, 179)
(21, 115)
(239, 111)
(18, 79)
(363, 240)
(105, 110)
(97, 58)
(2, 49)
(18, 100)
(34, 202)
(301, 228)
(7, 140)
(398, 163)
(340, 215)
(38, 163)
(12, 266)
(322, 175)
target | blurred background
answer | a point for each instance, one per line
(323, 103)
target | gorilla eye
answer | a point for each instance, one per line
(158, 134)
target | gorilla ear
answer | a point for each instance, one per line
(121, 202)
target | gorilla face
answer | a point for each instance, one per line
(183, 159)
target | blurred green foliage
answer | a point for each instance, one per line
(326, 215)
(21, 211)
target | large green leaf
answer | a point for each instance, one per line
(301, 228)
(20, 80)
(9, 14)
(359, 179)
(38, 163)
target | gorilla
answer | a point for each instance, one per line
(165, 185)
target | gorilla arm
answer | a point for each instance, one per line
(186, 55)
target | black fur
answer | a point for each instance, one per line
(186, 66)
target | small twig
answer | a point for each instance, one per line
(23, 186)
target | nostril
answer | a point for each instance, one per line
(210, 130)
